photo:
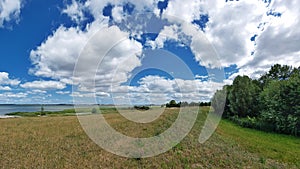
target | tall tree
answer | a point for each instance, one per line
(173, 103)
(277, 72)
(281, 105)
(243, 97)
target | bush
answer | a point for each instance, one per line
(142, 107)
(172, 103)
(95, 111)
(271, 103)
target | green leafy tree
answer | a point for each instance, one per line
(95, 110)
(277, 72)
(281, 105)
(172, 103)
(271, 103)
(142, 107)
(243, 97)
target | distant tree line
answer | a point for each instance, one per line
(173, 103)
(142, 107)
(270, 103)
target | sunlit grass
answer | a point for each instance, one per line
(60, 142)
(268, 145)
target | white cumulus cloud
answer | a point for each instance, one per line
(5, 80)
(110, 55)
(6, 88)
(57, 56)
(12, 95)
(9, 10)
(75, 11)
(44, 85)
(156, 89)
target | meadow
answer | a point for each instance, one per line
(60, 142)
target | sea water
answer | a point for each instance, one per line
(4, 109)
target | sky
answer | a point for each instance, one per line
(136, 52)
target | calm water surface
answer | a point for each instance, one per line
(31, 108)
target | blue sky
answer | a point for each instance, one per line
(146, 51)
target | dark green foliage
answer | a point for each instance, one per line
(254, 123)
(142, 107)
(95, 111)
(227, 111)
(205, 104)
(172, 103)
(281, 105)
(277, 72)
(271, 103)
(243, 97)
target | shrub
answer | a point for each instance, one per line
(142, 107)
(95, 111)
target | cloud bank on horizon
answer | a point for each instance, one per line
(248, 36)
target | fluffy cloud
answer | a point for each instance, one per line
(229, 34)
(225, 33)
(75, 11)
(5, 80)
(44, 85)
(275, 27)
(13, 95)
(243, 33)
(117, 13)
(187, 10)
(250, 34)
(63, 92)
(168, 33)
(36, 91)
(9, 10)
(6, 88)
(57, 56)
(201, 77)
(278, 43)
(107, 64)
(96, 6)
(156, 89)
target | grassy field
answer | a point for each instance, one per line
(60, 142)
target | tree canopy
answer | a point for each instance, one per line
(271, 103)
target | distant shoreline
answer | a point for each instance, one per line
(50, 104)
(8, 117)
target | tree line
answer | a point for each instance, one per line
(270, 103)
(173, 103)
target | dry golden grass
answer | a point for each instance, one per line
(60, 142)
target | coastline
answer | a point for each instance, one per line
(8, 117)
